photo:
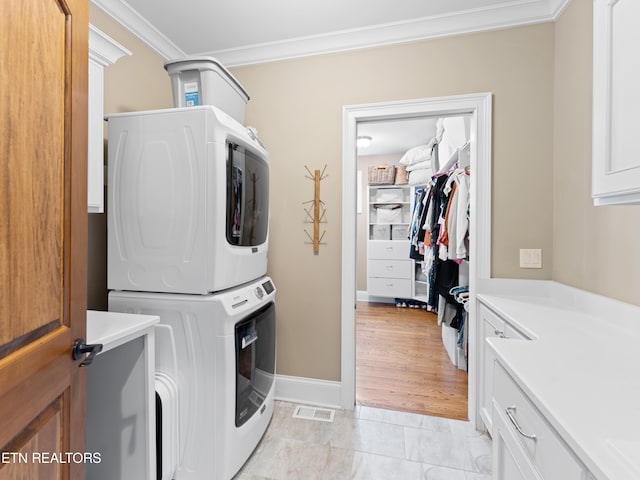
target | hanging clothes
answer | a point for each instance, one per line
(439, 238)
(446, 278)
(432, 224)
(457, 218)
(417, 246)
(439, 232)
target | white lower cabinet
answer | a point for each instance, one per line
(509, 461)
(490, 326)
(525, 445)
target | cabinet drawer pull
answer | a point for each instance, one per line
(499, 333)
(510, 412)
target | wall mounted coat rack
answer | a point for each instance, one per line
(317, 216)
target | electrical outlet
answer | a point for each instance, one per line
(530, 258)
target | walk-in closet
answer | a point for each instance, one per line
(413, 260)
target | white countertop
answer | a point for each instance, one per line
(580, 369)
(113, 329)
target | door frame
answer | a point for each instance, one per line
(479, 107)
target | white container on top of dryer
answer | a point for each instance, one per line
(168, 201)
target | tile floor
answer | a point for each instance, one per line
(369, 444)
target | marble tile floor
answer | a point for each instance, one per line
(369, 444)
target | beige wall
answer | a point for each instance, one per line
(541, 80)
(138, 82)
(595, 249)
(297, 107)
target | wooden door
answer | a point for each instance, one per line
(43, 236)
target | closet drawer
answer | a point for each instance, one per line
(390, 268)
(551, 457)
(390, 250)
(389, 287)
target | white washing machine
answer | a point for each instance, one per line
(215, 364)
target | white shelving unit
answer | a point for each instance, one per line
(420, 287)
(389, 212)
(390, 271)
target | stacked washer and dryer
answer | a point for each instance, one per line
(188, 205)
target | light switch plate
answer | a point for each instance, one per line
(530, 258)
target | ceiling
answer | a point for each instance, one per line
(391, 137)
(240, 32)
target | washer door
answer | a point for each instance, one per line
(255, 339)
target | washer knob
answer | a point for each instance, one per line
(259, 293)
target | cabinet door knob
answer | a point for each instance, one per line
(510, 413)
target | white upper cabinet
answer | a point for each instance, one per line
(103, 51)
(616, 102)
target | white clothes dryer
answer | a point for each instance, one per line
(225, 351)
(188, 194)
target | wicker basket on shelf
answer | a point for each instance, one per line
(382, 174)
(402, 176)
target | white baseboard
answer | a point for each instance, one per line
(363, 296)
(309, 391)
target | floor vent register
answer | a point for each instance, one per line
(313, 413)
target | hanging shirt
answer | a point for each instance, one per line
(458, 249)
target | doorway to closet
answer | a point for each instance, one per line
(411, 352)
(478, 109)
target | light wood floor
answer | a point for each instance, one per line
(401, 363)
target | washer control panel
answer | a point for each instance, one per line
(268, 287)
(249, 296)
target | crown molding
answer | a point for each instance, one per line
(126, 16)
(516, 13)
(103, 49)
(556, 7)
